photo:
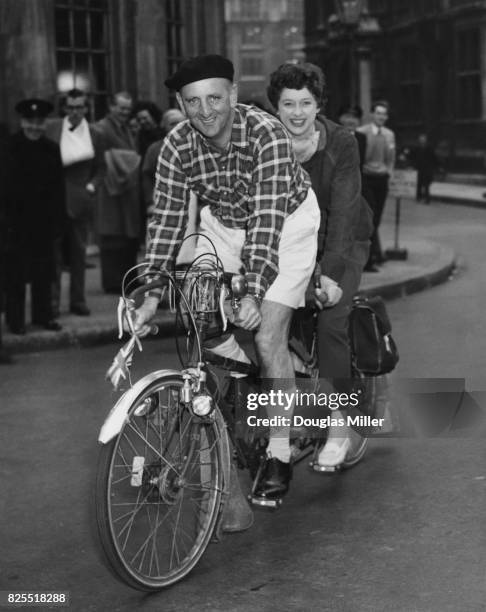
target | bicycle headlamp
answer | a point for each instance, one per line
(202, 405)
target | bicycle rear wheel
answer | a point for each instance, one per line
(159, 489)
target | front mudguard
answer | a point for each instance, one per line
(118, 414)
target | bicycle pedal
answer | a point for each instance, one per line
(271, 504)
(331, 469)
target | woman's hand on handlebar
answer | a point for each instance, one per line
(248, 315)
(327, 293)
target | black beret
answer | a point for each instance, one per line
(34, 107)
(199, 68)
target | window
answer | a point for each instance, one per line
(174, 35)
(295, 10)
(251, 9)
(293, 36)
(410, 84)
(252, 35)
(82, 49)
(251, 65)
(468, 74)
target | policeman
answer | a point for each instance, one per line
(35, 216)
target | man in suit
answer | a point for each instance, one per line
(377, 169)
(83, 170)
(118, 213)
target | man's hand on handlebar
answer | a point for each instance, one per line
(248, 315)
(327, 293)
(144, 315)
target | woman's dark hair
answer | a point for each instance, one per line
(297, 76)
(152, 108)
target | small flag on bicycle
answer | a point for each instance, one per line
(119, 369)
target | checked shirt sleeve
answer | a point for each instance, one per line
(270, 187)
(170, 215)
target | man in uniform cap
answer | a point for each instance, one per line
(35, 216)
(261, 214)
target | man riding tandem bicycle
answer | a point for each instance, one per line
(259, 215)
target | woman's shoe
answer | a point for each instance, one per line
(332, 455)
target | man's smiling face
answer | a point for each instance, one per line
(209, 105)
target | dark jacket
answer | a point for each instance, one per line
(346, 218)
(361, 138)
(35, 211)
(424, 160)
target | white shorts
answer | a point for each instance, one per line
(297, 250)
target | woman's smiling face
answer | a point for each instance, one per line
(297, 109)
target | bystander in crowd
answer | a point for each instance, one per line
(170, 119)
(377, 169)
(349, 116)
(118, 210)
(149, 117)
(35, 217)
(424, 160)
(82, 159)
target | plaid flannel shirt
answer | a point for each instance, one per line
(254, 186)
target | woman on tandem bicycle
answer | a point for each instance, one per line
(330, 155)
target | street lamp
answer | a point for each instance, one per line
(349, 14)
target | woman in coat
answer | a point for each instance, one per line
(330, 155)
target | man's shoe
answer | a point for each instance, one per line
(81, 311)
(52, 325)
(272, 482)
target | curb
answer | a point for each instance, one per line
(459, 201)
(95, 336)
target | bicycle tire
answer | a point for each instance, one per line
(156, 514)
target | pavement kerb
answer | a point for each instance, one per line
(436, 272)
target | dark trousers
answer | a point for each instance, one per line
(375, 190)
(76, 240)
(423, 186)
(333, 338)
(118, 255)
(40, 272)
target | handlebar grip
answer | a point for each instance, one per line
(159, 284)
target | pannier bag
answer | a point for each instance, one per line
(373, 348)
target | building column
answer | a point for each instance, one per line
(364, 79)
(27, 44)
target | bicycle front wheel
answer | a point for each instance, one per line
(159, 489)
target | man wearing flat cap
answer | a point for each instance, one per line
(260, 213)
(35, 216)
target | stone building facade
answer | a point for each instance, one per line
(101, 46)
(427, 58)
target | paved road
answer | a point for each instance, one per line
(402, 531)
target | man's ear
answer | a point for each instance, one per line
(181, 103)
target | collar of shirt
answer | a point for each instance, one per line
(377, 130)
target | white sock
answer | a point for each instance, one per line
(231, 350)
(278, 445)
